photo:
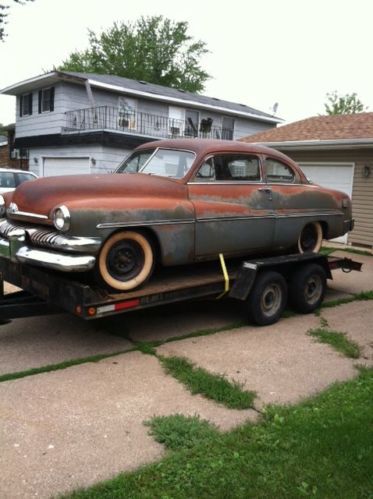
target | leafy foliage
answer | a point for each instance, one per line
(153, 49)
(345, 104)
(4, 15)
(179, 431)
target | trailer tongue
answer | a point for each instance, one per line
(263, 285)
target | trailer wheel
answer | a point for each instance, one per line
(310, 238)
(268, 298)
(126, 260)
(307, 288)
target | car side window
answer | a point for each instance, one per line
(229, 167)
(278, 172)
(7, 179)
(206, 172)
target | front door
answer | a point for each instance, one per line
(233, 206)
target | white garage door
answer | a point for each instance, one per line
(332, 175)
(65, 166)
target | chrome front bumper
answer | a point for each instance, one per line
(16, 249)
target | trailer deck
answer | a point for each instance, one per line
(46, 292)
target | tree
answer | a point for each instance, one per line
(154, 49)
(4, 15)
(346, 104)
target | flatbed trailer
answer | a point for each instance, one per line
(263, 284)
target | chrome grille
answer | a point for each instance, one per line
(6, 227)
(39, 237)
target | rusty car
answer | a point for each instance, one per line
(171, 202)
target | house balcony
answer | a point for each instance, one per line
(140, 124)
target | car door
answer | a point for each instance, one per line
(233, 206)
(291, 201)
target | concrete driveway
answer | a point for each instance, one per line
(72, 427)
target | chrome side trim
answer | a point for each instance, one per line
(271, 214)
(268, 216)
(115, 225)
(28, 214)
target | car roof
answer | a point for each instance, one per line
(206, 146)
(13, 170)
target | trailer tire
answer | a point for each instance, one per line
(310, 239)
(126, 261)
(307, 288)
(268, 298)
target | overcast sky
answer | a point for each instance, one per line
(288, 51)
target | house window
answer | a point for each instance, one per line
(25, 105)
(46, 100)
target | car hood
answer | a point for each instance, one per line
(42, 195)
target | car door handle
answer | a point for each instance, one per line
(268, 190)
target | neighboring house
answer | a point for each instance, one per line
(10, 157)
(337, 152)
(87, 123)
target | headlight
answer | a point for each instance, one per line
(2, 206)
(61, 218)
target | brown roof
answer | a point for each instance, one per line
(338, 127)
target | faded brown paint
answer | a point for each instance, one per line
(191, 221)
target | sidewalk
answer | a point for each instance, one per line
(82, 424)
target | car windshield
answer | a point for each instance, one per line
(164, 162)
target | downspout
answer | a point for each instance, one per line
(91, 99)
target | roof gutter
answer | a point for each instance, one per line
(200, 105)
(320, 144)
(53, 74)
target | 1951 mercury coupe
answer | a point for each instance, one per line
(170, 202)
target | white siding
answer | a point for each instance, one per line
(43, 123)
(244, 127)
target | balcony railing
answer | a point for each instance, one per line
(136, 123)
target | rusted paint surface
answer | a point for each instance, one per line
(191, 220)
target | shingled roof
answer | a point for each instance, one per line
(144, 89)
(344, 127)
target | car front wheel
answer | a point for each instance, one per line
(126, 261)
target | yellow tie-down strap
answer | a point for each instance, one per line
(226, 276)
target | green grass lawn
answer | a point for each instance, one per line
(320, 448)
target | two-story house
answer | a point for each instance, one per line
(87, 123)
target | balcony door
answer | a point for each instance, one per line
(191, 123)
(127, 113)
(176, 120)
(227, 128)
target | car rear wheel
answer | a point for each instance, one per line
(310, 238)
(126, 261)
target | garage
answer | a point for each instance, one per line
(65, 166)
(333, 176)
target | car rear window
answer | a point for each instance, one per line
(23, 177)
